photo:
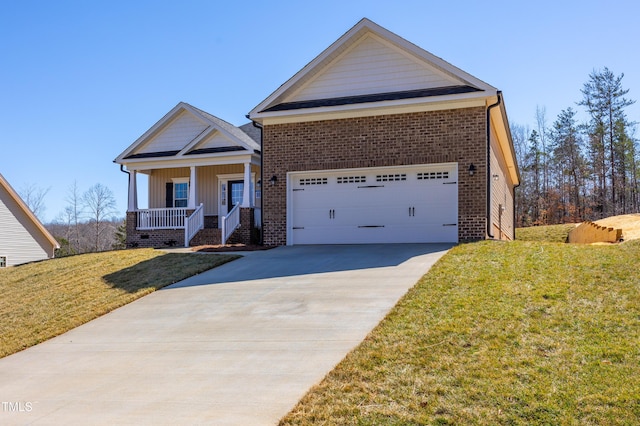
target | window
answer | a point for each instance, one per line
(313, 181)
(180, 193)
(391, 178)
(433, 175)
(352, 179)
(3, 261)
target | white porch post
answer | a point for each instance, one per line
(192, 189)
(246, 194)
(132, 204)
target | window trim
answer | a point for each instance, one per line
(176, 182)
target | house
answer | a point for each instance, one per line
(378, 141)
(374, 141)
(203, 180)
(23, 238)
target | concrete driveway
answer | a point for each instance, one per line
(237, 345)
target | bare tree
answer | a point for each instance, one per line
(73, 214)
(33, 196)
(100, 204)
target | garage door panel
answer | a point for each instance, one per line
(407, 204)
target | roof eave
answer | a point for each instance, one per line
(377, 108)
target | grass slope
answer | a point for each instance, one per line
(499, 333)
(549, 233)
(42, 300)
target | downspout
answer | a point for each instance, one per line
(128, 183)
(258, 126)
(499, 94)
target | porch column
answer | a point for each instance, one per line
(132, 204)
(246, 194)
(192, 189)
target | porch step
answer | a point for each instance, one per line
(207, 236)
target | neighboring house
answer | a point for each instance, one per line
(378, 141)
(22, 237)
(374, 141)
(199, 167)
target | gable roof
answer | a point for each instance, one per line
(28, 213)
(366, 67)
(189, 131)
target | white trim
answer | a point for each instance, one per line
(375, 109)
(223, 181)
(325, 58)
(145, 164)
(178, 181)
(212, 124)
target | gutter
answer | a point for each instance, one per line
(489, 234)
(259, 126)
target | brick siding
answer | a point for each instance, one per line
(457, 135)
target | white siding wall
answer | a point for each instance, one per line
(373, 66)
(216, 140)
(20, 240)
(182, 130)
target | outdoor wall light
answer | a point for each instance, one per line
(273, 180)
(496, 177)
(472, 169)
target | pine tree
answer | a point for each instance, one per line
(603, 96)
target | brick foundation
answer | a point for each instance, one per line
(457, 135)
(210, 235)
(152, 238)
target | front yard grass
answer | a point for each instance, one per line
(41, 300)
(512, 333)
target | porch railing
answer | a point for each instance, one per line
(169, 218)
(230, 223)
(193, 224)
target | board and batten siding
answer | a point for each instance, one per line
(207, 190)
(372, 66)
(20, 240)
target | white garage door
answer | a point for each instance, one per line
(412, 204)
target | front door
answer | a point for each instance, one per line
(235, 189)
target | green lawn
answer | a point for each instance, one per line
(41, 300)
(512, 333)
(549, 233)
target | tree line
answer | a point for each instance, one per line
(573, 171)
(88, 222)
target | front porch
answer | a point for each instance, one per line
(183, 227)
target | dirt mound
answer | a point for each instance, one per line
(629, 223)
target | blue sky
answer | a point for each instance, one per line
(81, 80)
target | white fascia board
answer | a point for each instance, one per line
(158, 126)
(505, 141)
(403, 106)
(364, 25)
(307, 68)
(152, 130)
(218, 159)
